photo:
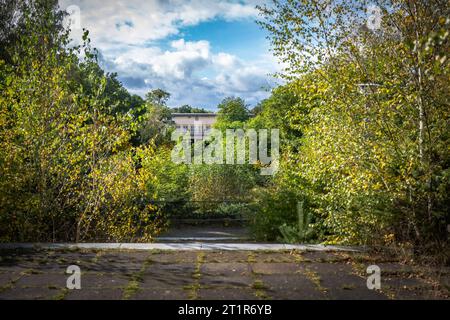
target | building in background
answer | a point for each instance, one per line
(198, 124)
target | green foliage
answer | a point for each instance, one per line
(275, 112)
(221, 189)
(165, 181)
(155, 125)
(234, 209)
(274, 208)
(373, 110)
(67, 171)
(363, 118)
(124, 211)
(188, 109)
(233, 112)
(300, 233)
(157, 97)
(155, 120)
(221, 182)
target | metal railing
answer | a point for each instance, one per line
(215, 210)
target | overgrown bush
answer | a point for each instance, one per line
(373, 107)
(221, 182)
(124, 211)
(273, 208)
(66, 166)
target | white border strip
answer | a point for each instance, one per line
(194, 239)
(182, 246)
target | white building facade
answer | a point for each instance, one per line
(198, 124)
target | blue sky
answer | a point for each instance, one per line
(200, 51)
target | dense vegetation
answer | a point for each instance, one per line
(363, 117)
(67, 166)
(372, 160)
(81, 158)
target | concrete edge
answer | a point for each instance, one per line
(201, 239)
(190, 246)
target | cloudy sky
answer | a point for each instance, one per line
(198, 50)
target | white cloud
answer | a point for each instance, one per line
(139, 21)
(178, 63)
(179, 70)
(225, 60)
(126, 32)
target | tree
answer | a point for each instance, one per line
(233, 114)
(155, 123)
(68, 171)
(232, 109)
(188, 109)
(16, 15)
(372, 155)
(275, 113)
(158, 97)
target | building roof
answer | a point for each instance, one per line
(194, 114)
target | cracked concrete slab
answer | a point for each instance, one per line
(210, 274)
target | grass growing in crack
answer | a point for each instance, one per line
(261, 294)
(61, 295)
(255, 273)
(159, 251)
(131, 289)
(198, 265)
(192, 290)
(196, 275)
(97, 256)
(7, 286)
(30, 272)
(10, 284)
(272, 260)
(201, 257)
(136, 278)
(251, 258)
(316, 279)
(52, 287)
(258, 285)
(299, 258)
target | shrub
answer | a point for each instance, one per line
(273, 208)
